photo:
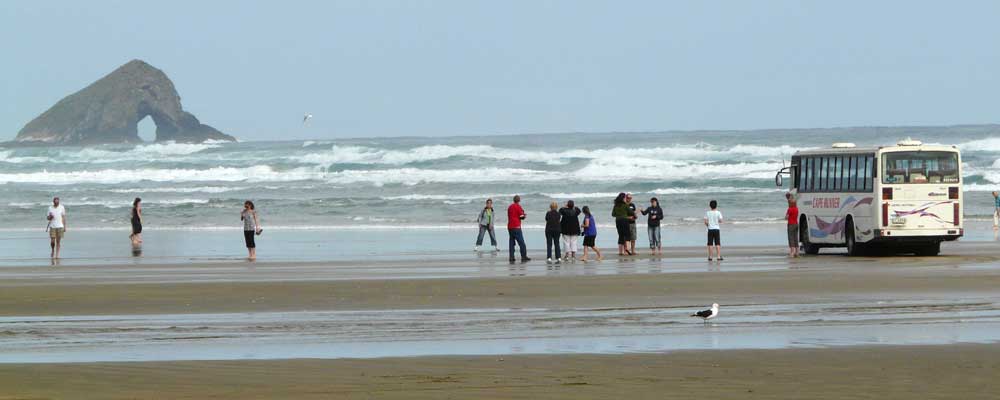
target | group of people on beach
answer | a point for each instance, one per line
(56, 227)
(563, 226)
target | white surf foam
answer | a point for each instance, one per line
(370, 155)
(69, 203)
(261, 173)
(200, 189)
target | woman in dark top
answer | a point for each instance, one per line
(570, 228)
(136, 220)
(653, 225)
(552, 229)
(623, 217)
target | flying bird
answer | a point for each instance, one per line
(306, 118)
(708, 314)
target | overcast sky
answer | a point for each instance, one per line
(388, 68)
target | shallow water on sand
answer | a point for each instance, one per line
(112, 247)
(393, 333)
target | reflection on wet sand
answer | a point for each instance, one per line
(466, 304)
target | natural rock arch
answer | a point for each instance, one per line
(109, 110)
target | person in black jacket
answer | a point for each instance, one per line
(570, 229)
(655, 214)
(552, 229)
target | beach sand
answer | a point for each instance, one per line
(681, 279)
(904, 372)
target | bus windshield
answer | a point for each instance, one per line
(920, 167)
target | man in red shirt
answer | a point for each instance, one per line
(514, 216)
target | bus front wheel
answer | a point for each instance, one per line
(807, 246)
(853, 248)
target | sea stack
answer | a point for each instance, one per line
(109, 110)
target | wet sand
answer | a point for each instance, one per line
(904, 372)
(760, 286)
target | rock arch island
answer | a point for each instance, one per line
(109, 110)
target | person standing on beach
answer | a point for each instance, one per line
(589, 234)
(633, 215)
(251, 228)
(621, 215)
(515, 214)
(792, 215)
(486, 225)
(713, 218)
(996, 211)
(136, 220)
(552, 229)
(570, 228)
(653, 225)
(56, 227)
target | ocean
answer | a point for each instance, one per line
(422, 183)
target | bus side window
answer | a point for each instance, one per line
(859, 183)
(852, 179)
(845, 179)
(831, 175)
(869, 173)
(840, 174)
(811, 174)
(822, 175)
(800, 175)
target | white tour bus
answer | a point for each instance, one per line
(907, 196)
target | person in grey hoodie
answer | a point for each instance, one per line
(486, 225)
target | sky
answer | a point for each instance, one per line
(442, 68)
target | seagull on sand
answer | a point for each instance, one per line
(709, 313)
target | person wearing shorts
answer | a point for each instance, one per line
(792, 215)
(713, 218)
(589, 234)
(56, 227)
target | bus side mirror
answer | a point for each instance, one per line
(778, 181)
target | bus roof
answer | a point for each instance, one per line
(869, 150)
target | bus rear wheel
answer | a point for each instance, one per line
(807, 246)
(928, 250)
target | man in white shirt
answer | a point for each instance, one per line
(713, 218)
(57, 226)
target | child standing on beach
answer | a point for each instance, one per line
(589, 234)
(713, 218)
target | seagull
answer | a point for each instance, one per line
(708, 314)
(306, 118)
